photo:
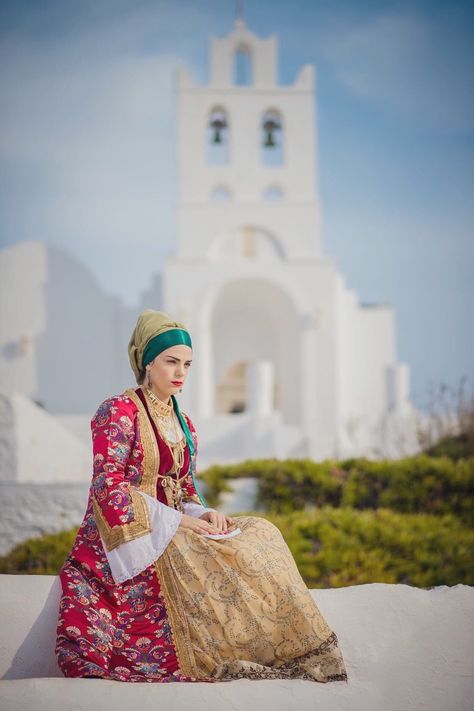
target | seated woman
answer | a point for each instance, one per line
(147, 595)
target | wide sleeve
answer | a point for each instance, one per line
(134, 527)
(192, 505)
(131, 558)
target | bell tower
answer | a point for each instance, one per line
(246, 154)
(285, 360)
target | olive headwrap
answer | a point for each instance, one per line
(155, 331)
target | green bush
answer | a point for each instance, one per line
(42, 556)
(283, 485)
(339, 547)
(455, 446)
(291, 484)
(436, 485)
(332, 548)
(416, 484)
(346, 523)
(215, 482)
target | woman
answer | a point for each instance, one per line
(146, 594)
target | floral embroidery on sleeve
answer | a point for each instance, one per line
(119, 510)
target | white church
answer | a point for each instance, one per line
(286, 362)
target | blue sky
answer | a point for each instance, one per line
(88, 156)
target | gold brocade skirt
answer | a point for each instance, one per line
(239, 608)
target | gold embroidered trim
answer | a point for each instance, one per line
(113, 536)
(176, 614)
(171, 596)
(151, 453)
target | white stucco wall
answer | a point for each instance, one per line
(31, 510)
(23, 276)
(36, 447)
(63, 340)
(405, 649)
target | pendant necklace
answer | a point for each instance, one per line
(169, 429)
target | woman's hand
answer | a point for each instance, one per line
(219, 520)
(197, 524)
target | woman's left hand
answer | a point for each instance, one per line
(219, 520)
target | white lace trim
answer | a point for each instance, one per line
(133, 557)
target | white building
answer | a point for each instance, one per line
(277, 335)
(286, 362)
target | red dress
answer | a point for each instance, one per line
(109, 630)
(145, 599)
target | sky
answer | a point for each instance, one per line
(88, 156)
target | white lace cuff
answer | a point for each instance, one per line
(191, 508)
(131, 558)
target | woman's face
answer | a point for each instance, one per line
(169, 370)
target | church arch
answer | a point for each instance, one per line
(246, 242)
(217, 136)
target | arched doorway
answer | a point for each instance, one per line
(255, 320)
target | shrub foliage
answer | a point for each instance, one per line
(419, 484)
(43, 555)
(332, 548)
(339, 547)
(349, 522)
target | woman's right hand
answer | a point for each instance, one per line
(197, 524)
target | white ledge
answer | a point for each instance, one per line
(405, 648)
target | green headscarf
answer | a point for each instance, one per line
(149, 325)
(154, 332)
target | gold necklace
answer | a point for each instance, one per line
(162, 408)
(160, 411)
(167, 422)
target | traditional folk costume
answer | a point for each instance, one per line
(147, 600)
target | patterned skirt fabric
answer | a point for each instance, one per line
(239, 608)
(207, 610)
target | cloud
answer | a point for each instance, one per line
(87, 135)
(99, 131)
(420, 69)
